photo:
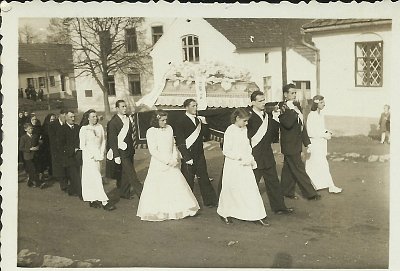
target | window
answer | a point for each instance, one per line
(267, 86)
(131, 40)
(111, 85)
(134, 84)
(157, 32)
(369, 64)
(42, 82)
(105, 41)
(52, 81)
(32, 82)
(266, 57)
(88, 93)
(190, 48)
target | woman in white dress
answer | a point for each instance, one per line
(92, 144)
(317, 166)
(240, 197)
(166, 194)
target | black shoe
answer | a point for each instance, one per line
(109, 207)
(316, 197)
(227, 220)
(262, 222)
(95, 204)
(211, 205)
(292, 197)
(30, 184)
(284, 211)
(72, 194)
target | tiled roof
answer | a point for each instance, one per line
(321, 23)
(41, 56)
(251, 33)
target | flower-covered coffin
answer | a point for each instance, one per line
(225, 86)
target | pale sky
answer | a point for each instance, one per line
(39, 24)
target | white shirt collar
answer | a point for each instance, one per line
(259, 113)
(61, 123)
(192, 117)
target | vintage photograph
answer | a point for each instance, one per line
(203, 141)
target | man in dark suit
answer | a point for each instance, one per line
(68, 136)
(120, 152)
(261, 130)
(58, 170)
(293, 136)
(190, 131)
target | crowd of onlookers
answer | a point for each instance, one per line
(31, 93)
(40, 158)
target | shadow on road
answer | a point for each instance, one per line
(282, 260)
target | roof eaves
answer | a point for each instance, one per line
(312, 29)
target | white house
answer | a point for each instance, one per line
(355, 56)
(129, 86)
(244, 50)
(39, 61)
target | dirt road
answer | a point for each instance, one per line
(348, 230)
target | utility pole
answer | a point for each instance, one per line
(47, 80)
(284, 29)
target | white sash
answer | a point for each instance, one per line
(121, 137)
(193, 137)
(262, 130)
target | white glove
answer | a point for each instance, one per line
(190, 162)
(172, 163)
(117, 160)
(327, 135)
(276, 114)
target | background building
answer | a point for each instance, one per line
(237, 49)
(132, 83)
(38, 61)
(355, 71)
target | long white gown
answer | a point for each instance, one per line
(166, 194)
(240, 197)
(92, 144)
(317, 166)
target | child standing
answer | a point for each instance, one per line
(240, 197)
(384, 124)
(26, 146)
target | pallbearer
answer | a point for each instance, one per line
(189, 131)
(261, 130)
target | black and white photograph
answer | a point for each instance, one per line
(194, 136)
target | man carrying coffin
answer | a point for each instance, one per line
(261, 130)
(189, 131)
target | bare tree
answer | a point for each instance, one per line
(58, 32)
(105, 46)
(26, 34)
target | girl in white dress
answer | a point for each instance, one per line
(92, 144)
(317, 166)
(166, 194)
(240, 197)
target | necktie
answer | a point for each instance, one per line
(134, 131)
(196, 121)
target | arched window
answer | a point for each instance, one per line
(190, 48)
